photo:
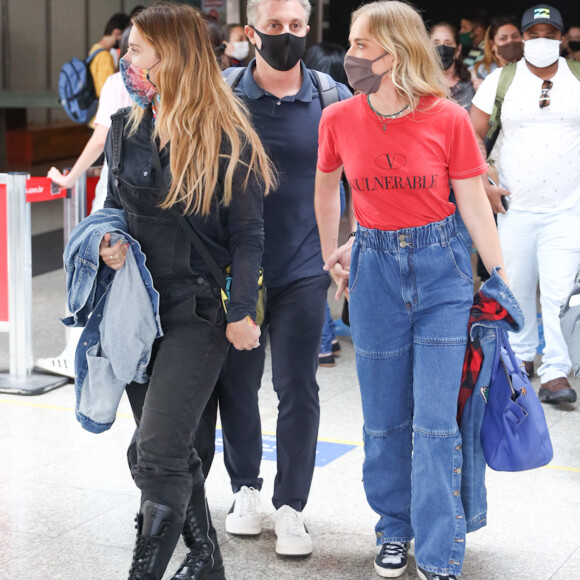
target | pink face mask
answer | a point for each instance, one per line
(137, 83)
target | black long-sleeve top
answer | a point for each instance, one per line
(233, 234)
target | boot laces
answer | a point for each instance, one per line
(141, 554)
(140, 558)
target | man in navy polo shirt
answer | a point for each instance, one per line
(285, 107)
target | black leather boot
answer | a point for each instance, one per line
(204, 560)
(157, 534)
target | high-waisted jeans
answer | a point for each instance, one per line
(410, 296)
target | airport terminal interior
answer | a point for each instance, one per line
(68, 501)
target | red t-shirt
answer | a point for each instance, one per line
(399, 177)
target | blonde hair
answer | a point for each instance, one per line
(197, 111)
(399, 29)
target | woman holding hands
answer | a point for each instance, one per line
(186, 146)
(400, 143)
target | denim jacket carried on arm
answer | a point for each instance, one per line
(473, 492)
(120, 313)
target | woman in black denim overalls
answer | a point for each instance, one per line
(215, 170)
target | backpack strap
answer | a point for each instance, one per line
(234, 76)
(327, 89)
(505, 80)
(574, 67)
(325, 84)
(93, 54)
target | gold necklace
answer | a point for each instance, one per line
(385, 118)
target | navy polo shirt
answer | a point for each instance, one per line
(288, 129)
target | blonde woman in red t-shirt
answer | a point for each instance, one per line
(400, 143)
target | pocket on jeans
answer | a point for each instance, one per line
(354, 266)
(460, 258)
(207, 307)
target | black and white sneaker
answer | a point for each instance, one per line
(391, 561)
(245, 517)
(424, 575)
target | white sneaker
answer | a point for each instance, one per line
(57, 366)
(293, 538)
(245, 517)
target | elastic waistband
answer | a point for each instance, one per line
(419, 237)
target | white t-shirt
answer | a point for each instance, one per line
(114, 96)
(540, 153)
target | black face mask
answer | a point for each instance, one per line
(574, 45)
(447, 55)
(281, 51)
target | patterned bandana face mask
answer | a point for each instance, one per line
(137, 83)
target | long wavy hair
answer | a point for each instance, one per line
(489, 56)
(197, 110)
(399, 29)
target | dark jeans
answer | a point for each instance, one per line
(294, 319)
(184, 367)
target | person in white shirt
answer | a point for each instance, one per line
(540, 172)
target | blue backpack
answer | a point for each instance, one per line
(76, 89)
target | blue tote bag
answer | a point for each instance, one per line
(514, 434)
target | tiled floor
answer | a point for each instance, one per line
(67, 501)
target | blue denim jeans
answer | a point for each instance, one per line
(410, 295)
(461, 227)
(328, 330)
(328, 333)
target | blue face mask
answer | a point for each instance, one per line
(137, 83)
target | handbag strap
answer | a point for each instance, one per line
(505, 343)
(188, 228)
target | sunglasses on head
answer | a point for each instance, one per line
(545, 97)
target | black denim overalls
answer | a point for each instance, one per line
(186, 361)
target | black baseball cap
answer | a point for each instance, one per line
(542, 14)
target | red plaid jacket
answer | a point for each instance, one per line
(484, 308)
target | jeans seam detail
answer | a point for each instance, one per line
(438, 434)
(451, 341)
(458, 545)
(383, 434)
(382, 354)
(384, 540)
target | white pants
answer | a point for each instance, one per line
(542, 247)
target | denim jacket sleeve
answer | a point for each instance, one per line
(86, 281)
